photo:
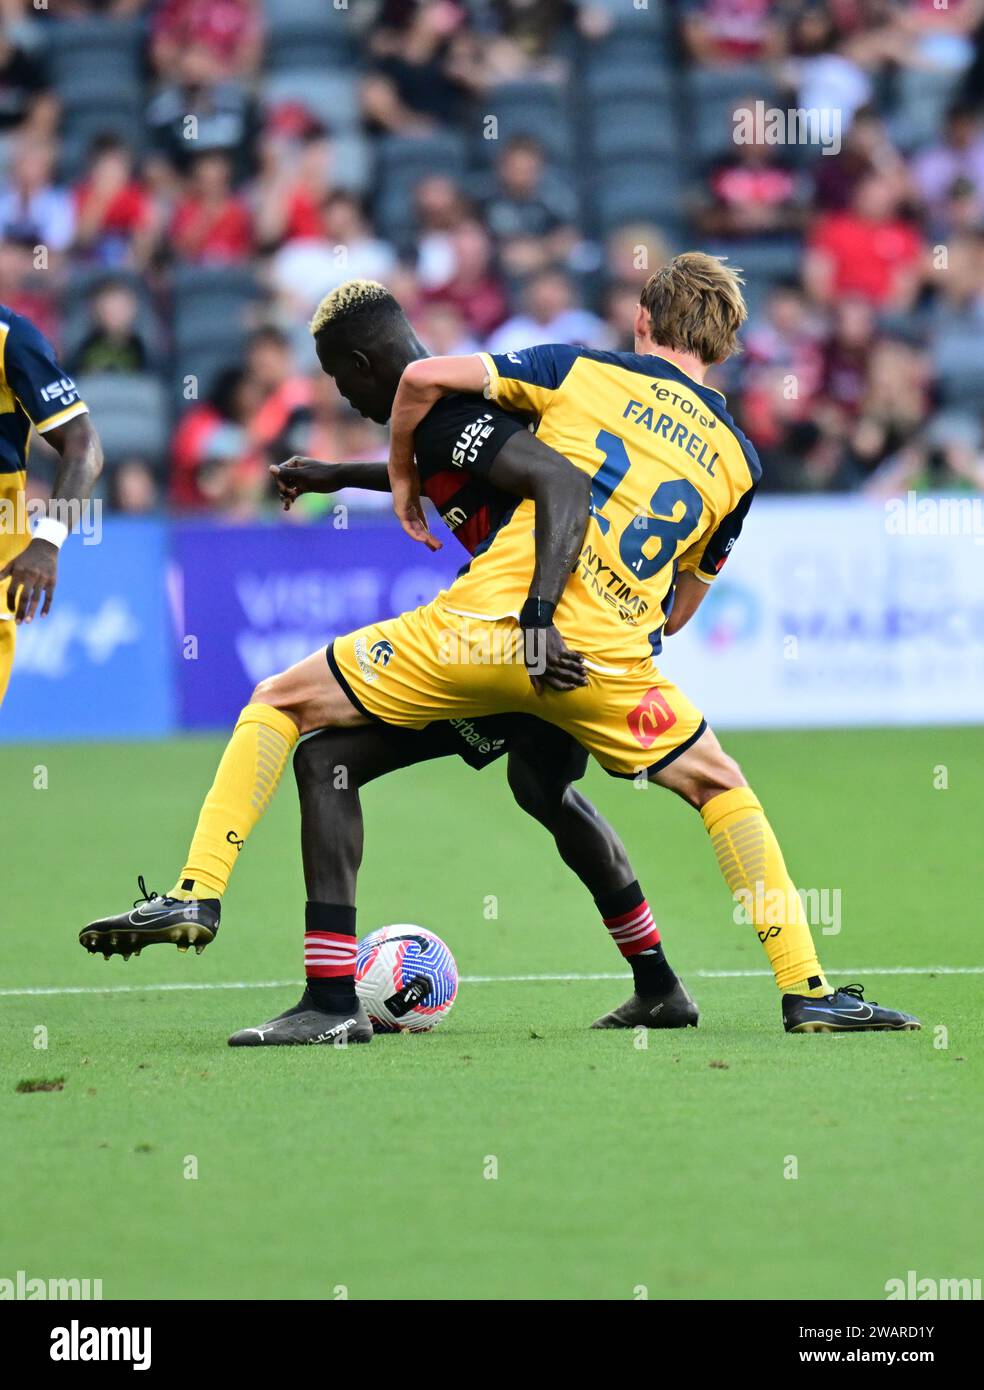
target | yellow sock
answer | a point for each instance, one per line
(245, 782)
(751, 861)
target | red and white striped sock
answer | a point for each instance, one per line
(329, 955)
(629, 921)
(633, 931)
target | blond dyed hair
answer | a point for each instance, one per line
(354, 297)
(695, 304)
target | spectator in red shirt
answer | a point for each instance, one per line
(210, 223)
(115, 221)
(226, 34)
(869, 250)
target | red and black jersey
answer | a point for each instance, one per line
(455, 446)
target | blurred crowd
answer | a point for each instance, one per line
(182, 180)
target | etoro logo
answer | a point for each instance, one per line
(381, 652)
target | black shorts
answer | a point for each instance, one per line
(480, 742)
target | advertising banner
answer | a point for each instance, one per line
(250, 601)
(841, 611)
(99, 665)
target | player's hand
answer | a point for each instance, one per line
(550, 662)
(410, 510)
(299, 475)
(34, 572)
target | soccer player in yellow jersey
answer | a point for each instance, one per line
(660, 481)
(34, 391)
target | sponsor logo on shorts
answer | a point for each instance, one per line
(475, 738)
(651, 717)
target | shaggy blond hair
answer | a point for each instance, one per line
(350, 298)
(695, 304)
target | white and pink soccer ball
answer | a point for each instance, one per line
(406, 978)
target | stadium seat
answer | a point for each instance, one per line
(304, 47)
(921, 99)
(99, 113)
(402, 161)
(205, 366)
(210, 323)
(213, 283)
(352, 161)
(539, 109)
(645, 190)
(288, 14)
(714, 93)
(112, 46)
(958, 359)
(623, 128)
(772, 258)
(130, 413)
(628, 82)
(330, 95)
(412, 157)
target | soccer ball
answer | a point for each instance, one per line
(406, 978)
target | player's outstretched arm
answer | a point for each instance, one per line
(422, 385)
(300, 475)
(562, 494)
(33, 573)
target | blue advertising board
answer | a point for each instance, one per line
(99, 665)
(250, 601)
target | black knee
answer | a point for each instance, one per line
(329, 759)
(537, 797)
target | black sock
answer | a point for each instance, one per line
(652, 972)
(630, 924)
(329, 956)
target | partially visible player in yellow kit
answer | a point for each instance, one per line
(671, 478)
(35, 392)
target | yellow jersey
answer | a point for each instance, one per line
(672, 479)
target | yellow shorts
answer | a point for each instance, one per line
(433, 664)
(8, 640)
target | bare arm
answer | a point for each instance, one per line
(300, 475)
(562, 496)
(34, 572)
(688, 594)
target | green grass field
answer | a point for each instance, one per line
(618, 1168)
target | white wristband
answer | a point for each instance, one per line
(48, 529)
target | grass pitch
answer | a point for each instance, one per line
(511, 1153)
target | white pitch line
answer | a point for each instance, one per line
(482, 980)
